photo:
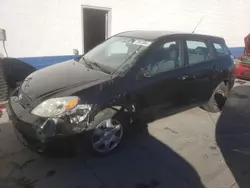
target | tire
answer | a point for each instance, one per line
(218, 98)
(4, 91)
(95, 135)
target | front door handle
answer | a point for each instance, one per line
(184, 77)
(187, 78)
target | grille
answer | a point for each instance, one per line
(24, 100)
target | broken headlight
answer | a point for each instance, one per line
(56, 106)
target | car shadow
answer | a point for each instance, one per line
(145, 162)
(233, 134)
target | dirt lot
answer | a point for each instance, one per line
(191, 149)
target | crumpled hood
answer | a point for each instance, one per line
(61, 76)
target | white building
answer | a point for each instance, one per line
(38, 28)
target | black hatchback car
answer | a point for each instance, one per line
(129, 74)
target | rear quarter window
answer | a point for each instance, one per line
(221, 49)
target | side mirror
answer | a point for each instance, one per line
(75, 52)
(144, 72)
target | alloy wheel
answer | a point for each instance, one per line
(107, 135)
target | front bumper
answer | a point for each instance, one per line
(23, 126)
(28, 126)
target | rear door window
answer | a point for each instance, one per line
(198, 51)
(221, 49)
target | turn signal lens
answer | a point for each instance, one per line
(72, 104)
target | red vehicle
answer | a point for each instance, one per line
(2, 109)
(242, 63)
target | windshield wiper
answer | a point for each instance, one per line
(86, 63)
(95, 65)
(99, 67)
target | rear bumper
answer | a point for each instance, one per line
(242, 72)
(231, 83)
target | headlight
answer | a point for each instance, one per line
(55, 106)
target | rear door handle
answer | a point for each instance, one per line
(215, 69)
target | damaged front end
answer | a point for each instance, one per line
(72, 122)
(52, 119)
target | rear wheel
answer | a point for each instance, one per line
(218, 98)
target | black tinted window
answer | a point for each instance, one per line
(221, 49)
(198, 51)
(164, 57)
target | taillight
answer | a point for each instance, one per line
(234, 60)
(232, 57)
(237, 62)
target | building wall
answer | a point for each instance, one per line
(53, 28)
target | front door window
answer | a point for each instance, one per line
(164, 58)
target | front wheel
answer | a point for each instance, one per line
(107, 131)
(218, 98)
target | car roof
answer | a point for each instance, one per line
(155, 34)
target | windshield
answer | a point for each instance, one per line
(115, 52)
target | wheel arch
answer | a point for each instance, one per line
(123, 104)
(229, 83)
